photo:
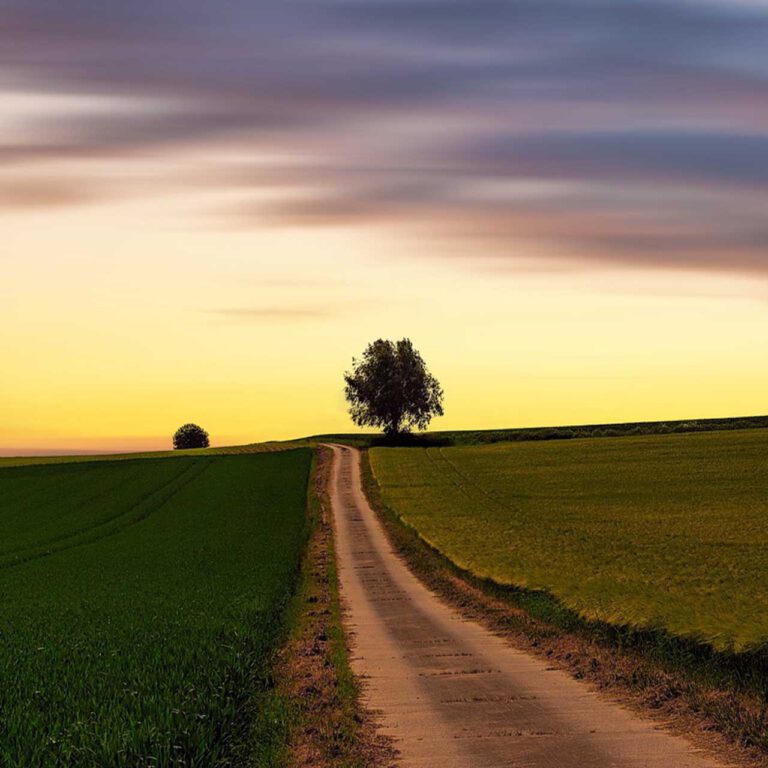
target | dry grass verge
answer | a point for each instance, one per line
(328, 727)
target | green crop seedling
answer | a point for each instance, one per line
(140, 603)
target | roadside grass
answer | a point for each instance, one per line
(141, 604)
(314, 687)
(666, 533)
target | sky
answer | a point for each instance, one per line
(208, 208)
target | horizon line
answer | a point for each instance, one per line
(36, 452)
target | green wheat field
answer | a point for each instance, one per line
(665, 532)
(140, 602)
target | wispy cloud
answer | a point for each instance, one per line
(26, 194)
(274, 314)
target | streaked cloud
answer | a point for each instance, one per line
(634, 133)
(25, 194)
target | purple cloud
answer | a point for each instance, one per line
(648, 119)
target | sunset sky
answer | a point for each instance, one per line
(207, 208)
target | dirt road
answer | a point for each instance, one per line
(449, 692)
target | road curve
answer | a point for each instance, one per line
(453, 695)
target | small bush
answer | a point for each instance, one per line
(190, 436)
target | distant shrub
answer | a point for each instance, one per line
(190, 436)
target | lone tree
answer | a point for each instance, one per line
(391, 388)
(190, 436)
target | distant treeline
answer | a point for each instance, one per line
(481, 437)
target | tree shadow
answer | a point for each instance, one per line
(409, 440)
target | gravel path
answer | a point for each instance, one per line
(449, 692)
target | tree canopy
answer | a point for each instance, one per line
(190, 436)
(391, 388)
